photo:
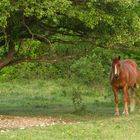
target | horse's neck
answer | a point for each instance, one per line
(123, 68)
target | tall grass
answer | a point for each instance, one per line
(40, 97)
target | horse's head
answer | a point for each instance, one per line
(116, 67)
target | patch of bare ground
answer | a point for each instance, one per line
(13, 122)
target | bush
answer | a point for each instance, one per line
(88, 69)
(77, 101)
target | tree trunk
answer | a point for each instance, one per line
(10, 54)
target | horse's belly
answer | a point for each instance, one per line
(132, 78)
(132, 82)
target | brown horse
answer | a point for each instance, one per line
(125, 76)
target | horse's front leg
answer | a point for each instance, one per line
(116, 101)
(125, 96)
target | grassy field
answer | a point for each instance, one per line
(54, 98)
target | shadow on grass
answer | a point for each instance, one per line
(94, 110)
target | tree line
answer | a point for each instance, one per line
(84, 33)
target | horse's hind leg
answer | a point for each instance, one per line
(137, 91)
(132, 99)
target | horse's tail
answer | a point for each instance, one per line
(138, 77)
(138, 86)
(135, 91)
(132, 100)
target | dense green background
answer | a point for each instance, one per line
(48, 31)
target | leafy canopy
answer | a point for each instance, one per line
(103, 23)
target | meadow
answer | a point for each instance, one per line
(53, 98)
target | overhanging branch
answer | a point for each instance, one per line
(47, 60)
(34, 35)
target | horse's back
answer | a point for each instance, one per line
(130, 63)
(131, 66)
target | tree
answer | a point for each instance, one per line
(48, 24)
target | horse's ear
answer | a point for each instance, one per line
(119, 57)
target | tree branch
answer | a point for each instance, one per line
(47, 60)
(36, 35)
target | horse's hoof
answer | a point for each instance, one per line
(132, 110)
(125, 113)
(117, 114)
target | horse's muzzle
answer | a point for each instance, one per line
(116, 77)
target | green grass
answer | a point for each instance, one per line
(122, 128)
(53, 98)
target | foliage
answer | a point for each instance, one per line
(92, 69)
(46, 24)
(88, 69)
(77, 100)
